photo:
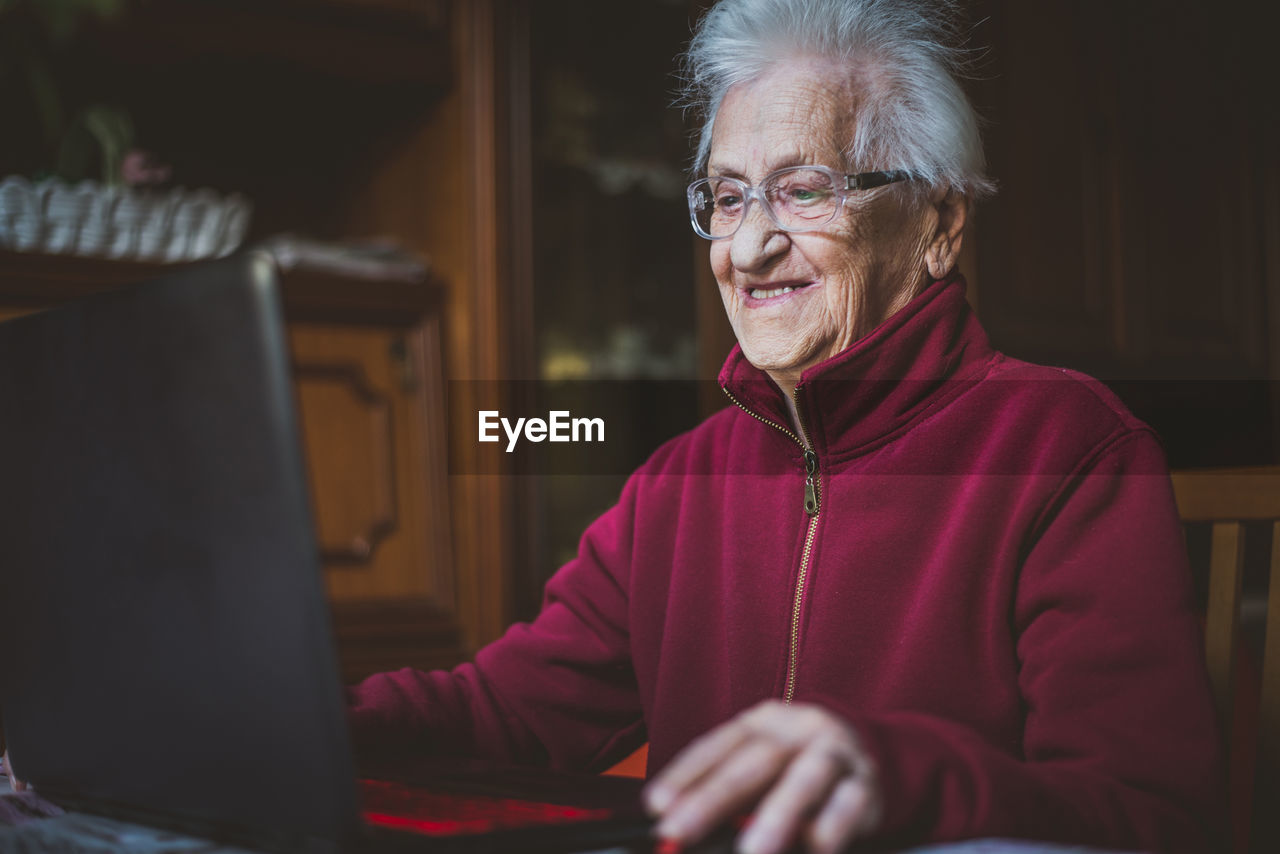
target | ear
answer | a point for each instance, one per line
(950, 208)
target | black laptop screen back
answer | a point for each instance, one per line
(164, 638)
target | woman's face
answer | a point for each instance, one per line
(845, 278)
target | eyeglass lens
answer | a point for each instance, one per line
(800, 199)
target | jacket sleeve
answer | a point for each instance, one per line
(1120, 746)
(559, 691)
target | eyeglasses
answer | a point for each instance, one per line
(798, 198)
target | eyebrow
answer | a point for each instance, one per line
(773, 166)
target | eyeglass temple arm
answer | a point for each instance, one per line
(867, 180)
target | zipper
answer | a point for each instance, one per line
(789, 693)
(812, 507)
(774, 424)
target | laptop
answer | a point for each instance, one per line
(166, 652)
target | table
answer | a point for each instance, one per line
(31, 825)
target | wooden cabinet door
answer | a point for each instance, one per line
(371, 406)
(370, 393)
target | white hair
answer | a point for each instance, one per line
(902, 54)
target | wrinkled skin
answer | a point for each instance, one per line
(882, 249)
(801, 768)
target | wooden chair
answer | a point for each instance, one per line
(1227, 498)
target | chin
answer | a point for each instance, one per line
(775, 363)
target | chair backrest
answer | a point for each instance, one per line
(1227, 498)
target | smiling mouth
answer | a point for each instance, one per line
(762, 293)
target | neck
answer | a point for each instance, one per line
(787, 382)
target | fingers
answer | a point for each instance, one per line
(699, 757)
(852, 811)
(805, 786)
(726, 791)
(14, 783)
(771, 719)
(802, 766)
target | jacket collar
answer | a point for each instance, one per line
(871, 391)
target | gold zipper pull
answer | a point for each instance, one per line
(810, 485)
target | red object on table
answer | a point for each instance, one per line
(396, 805)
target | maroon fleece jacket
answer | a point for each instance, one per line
(984, 574)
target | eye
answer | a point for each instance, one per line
(801, 188)
(728, 200)
(805, 193)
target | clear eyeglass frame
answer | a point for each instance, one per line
(701, 193)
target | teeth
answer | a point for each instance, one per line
(759, 294)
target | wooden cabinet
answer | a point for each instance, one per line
(370, 382)
(370, 391)
(400, 119)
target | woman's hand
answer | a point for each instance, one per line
(801, 768)
(16, 784)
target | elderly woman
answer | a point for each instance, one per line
(906, 588)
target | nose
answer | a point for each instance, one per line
(758, 241)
